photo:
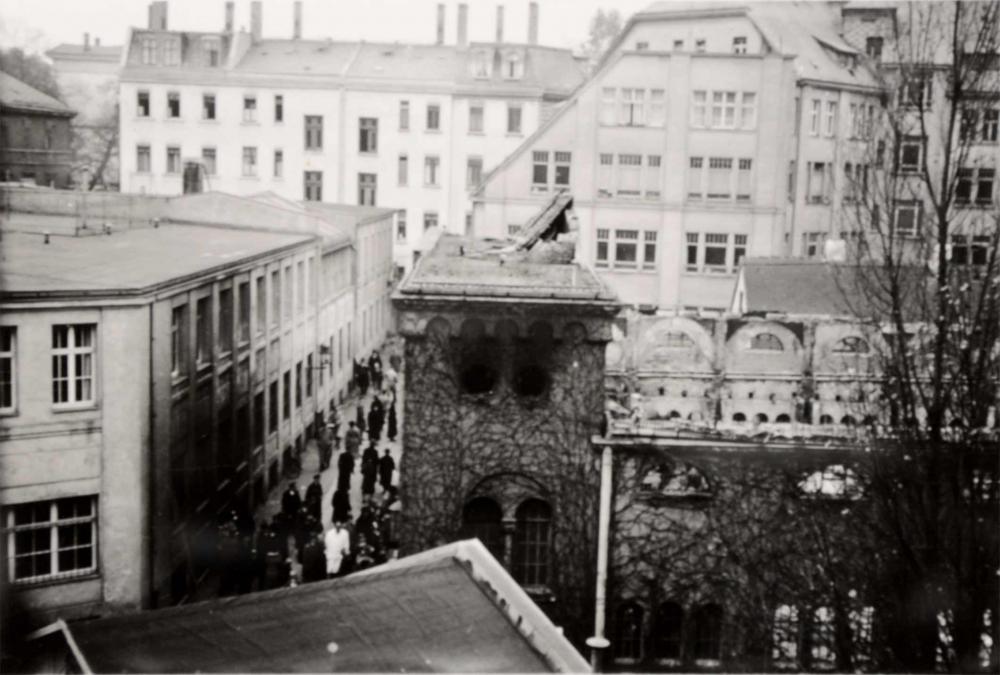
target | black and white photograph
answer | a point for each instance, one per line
(508, 336)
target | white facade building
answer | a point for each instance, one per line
(395, 125)
(692, 146)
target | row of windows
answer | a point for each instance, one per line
(739, 45)
(621, 249)
(633, 107)
(630, 177)
(153, 51)
(714, 253)
(719, 179)
(723, 109)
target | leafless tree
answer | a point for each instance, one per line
(924, 276)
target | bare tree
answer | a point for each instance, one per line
(925, 279)
(31, 69)
(604, 28)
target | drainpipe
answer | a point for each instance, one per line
(598, 643)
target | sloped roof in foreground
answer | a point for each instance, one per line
(450, 609)
(21, 96)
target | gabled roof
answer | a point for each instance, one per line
(450, 609)
(22, 97)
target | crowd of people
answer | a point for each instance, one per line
(294, 547)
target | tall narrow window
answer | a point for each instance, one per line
(513, 118)
(313, 186)
(814, 114)
(171, 52)
(476, 117)
(831, 118)
(533, 521)
(368, 134)
(695, 182)
(632, 107)
(561, 168)
(739, 250)
(649, 251)
(275, 297)
(73, 363)
(431, 165)
(668, 626)
(300, 287)
(208, 106)
(148, 51)
(249, 108)
(173, 105)
(403, 170)
(430, 220)
(401, 226)
(605, 171)
(693, 264)
(627, 640)
(208, 159)
(226, 320)
(142, 104)
(8, 359)
(272, 407)
(286, 395)
(433, 117)
(748, 110)
(367, 183)
(279, 108)
(743, 179)
(203, 331)
(473, 172)
(707, 632)
(404, 115)
(314, 132)
(539, 171)
(279, 163)
(629, 175)
(652, 180)
(601, 257)
(719, 171)
(261, 300)
(657, 108)
(142, 159)
(481, 518)
(173, 159)
(699, 109)
(249, 161)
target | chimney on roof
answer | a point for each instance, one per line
(499, 24)
(533, 23)
(230, 16)
(158, 15)
(297, 21)
(439, 39)
(256, 21)
(86, 42)
(463, 25)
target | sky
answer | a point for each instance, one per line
(37, 25)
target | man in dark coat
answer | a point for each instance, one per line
(362, 379)
(314, 558)
(386, 465)
(345, 467)
(341, 507)
(359, 417)
(369, 470)
(291, 501)
(314, 498)
(376, 418)
(392, 428)
(324, 444)
(352, 439)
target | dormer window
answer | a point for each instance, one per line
(513, 67)
(172, 52)
(213, 50)
(148, 46)
(739, 45)
(481, 65)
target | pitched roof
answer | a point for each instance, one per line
(450, 609)
(818, 288)
(18, 95)
(94, 52)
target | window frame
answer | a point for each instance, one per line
(433, 114)
(173, 111)
(249, 109)
(248, 162)
(368, 135)
(206, 108)
(143, 150)
(432, 170)
(71, 351)
(53, 524)
(478, 117)
(313, 128)
(312, 186)
(8, 356)
(518, 128)
(179, 337)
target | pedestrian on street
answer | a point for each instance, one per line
(363, 379)
(345, 467)
(314, 498)
(314, 558)
(359, 417)
(393, 428)
(290, 502)
(338, 546)
(341, 506)
(389, 381)
(369, 470)
(324, 444)
(334, 422)
(386, 465)
(376, 418)
(352, 439)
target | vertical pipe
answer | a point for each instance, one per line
(598, 643)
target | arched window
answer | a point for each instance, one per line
(739, 417)
(760, 418)
(531, 542)
(674, 415)
(627, 641)
(822, 647)
(782, 419)
(825, 419)
(785, 637)
(852, 345)
(708, 632)
(848, 421)
(766, 342)
(481, 519)
(668, 631)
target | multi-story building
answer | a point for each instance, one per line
(708, 133)
(35, 134)
(408, 126)
(161, 361)
(87, 75)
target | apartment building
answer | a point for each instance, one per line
(143, 395)
(408, 126)
(708, 133)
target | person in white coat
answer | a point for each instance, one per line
(338, 545)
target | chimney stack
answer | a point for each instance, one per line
(439, 40)
(463, 25)
(297, 22)
(86, 42)
(533, 23)
(230, 16)
(256, 21)
(499, 24)
(158, 15)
